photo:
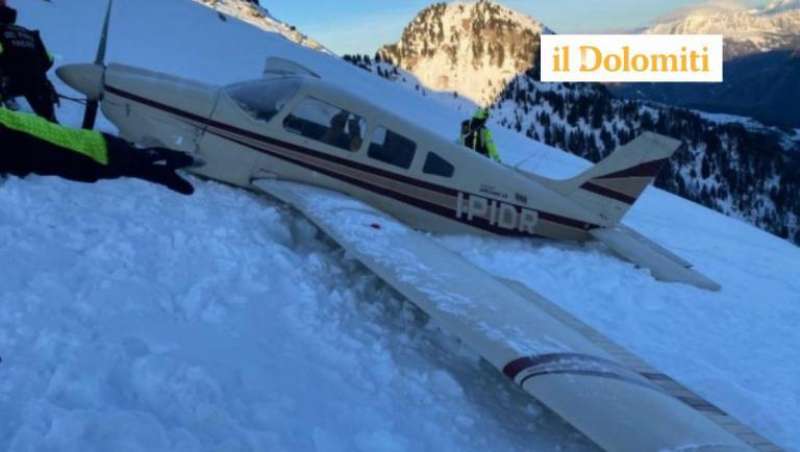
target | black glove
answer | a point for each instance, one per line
(159, 165)
(156, 165)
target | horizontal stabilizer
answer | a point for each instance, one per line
(642, 251)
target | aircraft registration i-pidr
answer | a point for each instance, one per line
(371, 180)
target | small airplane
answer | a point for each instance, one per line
(293, 125)
(372, 180)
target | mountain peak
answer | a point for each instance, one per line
(472, 48)
(781, 6)
(252, 12)
(746, 31)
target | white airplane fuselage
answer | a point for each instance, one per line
(470, 193)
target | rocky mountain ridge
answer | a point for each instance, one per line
(746, 30)
(474, 49)
(252, 12)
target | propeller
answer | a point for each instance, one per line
(92, 105)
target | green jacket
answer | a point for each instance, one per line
(488, 142)
(475, 135)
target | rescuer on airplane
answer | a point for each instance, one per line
(476, 136)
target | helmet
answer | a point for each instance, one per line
(481, 113)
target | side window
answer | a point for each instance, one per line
(327, 123)
(391, 148)
(437, 166)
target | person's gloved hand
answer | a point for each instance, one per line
(157, 165)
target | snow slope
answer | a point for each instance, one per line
(252, 13)
(746, 30)
(135, 319)
(220, 322)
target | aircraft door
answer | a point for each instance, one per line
(243, 112)
(225, 159)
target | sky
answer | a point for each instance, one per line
(363, 26)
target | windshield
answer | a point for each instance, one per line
(263, 99)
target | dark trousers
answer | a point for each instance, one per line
(22, 154)
(37, 90)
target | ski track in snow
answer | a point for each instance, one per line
(135, 319)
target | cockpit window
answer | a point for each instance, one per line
(392, 148)
(327, 123)
(437, 166)
(263, 99)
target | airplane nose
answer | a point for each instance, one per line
(86, 78)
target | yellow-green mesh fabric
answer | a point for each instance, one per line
(86, 142)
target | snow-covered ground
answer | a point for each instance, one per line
(725, 118)
(771, 27)
(135, 319)
(746, 121)
(250, 12)
(790, 139)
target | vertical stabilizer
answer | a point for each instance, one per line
(612, 186)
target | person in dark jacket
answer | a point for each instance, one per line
(30, 144)
(476, 136)
(24, 62)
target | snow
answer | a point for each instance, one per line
(132, 318)
(774, 26)
(191, 326)
(795, 138)
(790, 139)
(725, 118)
(247, 11)
(779, 6)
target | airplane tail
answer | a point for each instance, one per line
(613, 185)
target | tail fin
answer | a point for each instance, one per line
(613, 185)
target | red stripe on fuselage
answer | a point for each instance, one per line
(274, 148)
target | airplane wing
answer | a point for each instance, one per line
(618, 407)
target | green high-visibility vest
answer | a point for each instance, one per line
(86, 142)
